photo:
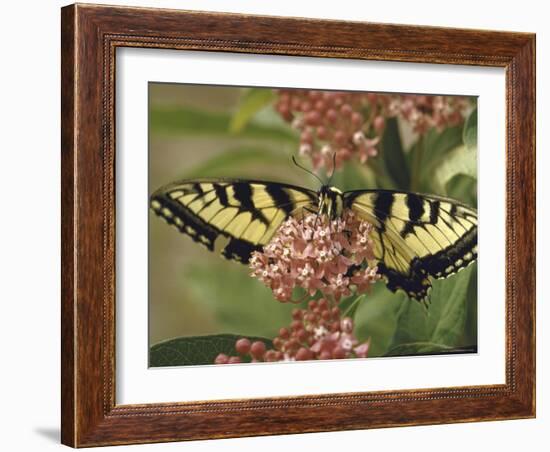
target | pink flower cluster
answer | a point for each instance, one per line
(332, 123)
(424, 112)
(349, 125)
(318, 332)
(317, 254)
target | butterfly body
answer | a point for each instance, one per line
(331, 201)
(415, 236)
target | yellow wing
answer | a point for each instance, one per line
(417, 236)
(234, 217)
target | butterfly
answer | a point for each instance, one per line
(415, 236)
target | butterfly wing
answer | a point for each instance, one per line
(234, 217)
(417, 236)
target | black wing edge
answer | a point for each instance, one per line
(442, 264)
(415, 285)
(198, 230)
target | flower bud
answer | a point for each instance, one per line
(234, 360)
(257, 349)
(221, 359)
(242, 346)
(346, 325)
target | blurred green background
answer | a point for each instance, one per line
(198, 131)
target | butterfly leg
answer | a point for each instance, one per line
(308, 209)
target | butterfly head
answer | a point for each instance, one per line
(331, 199)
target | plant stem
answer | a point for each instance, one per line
(353, 306)
(417, 162)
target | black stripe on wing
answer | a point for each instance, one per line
(235, 216)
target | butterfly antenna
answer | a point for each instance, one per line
(307, 171)
(333, 168)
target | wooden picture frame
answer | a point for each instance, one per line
(90, 36)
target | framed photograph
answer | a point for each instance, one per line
(282, 225)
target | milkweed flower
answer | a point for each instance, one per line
(315, 254)
(319, 331)
(424, 112)
(336, 126)
(332, 123)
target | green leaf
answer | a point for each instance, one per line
(413, 323)
(437, 144)
(381, 177)
(394, 157)
(349, 305)
(233, 160)
(444, 323)
(470, 331)
(238, 302)
(427, 348)
(376, 318)
(469, 134)
(449, 330)
(353, 176)
(254, 100)
(462, 188)
(429, 152)
(461, 160)
(197, 350)
(188, 121)
(444, 165)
